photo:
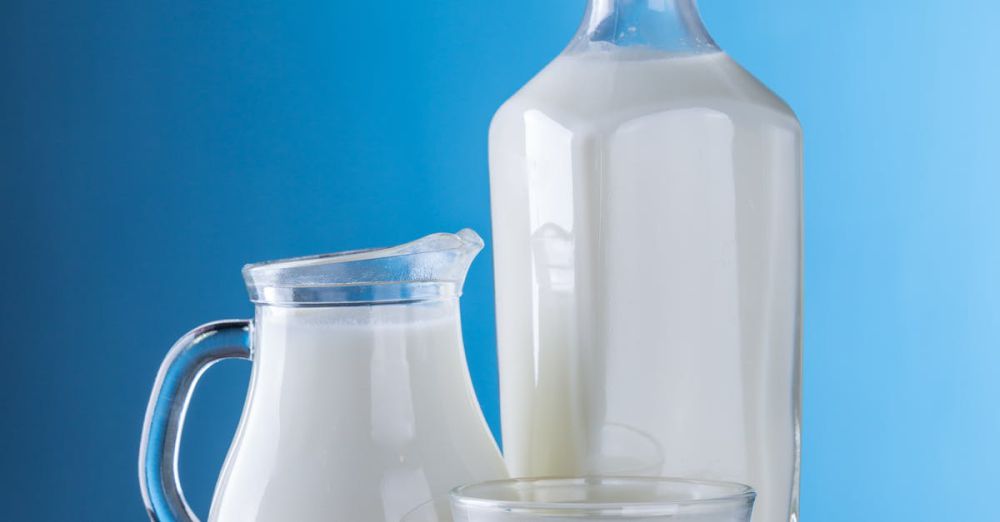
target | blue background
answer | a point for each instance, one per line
(151, 148)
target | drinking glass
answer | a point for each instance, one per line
(611, 499)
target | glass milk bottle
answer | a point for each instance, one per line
(646, 199)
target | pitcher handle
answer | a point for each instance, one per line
(186, 361)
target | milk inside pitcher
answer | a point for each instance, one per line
(646, 200)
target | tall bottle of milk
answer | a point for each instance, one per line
(646, 199)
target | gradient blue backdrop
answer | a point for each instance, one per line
(151, 148)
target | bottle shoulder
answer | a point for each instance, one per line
(590, 89)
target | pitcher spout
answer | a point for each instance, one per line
(467, 245)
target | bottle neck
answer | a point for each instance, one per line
(658, 25)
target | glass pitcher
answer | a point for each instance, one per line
(646, 199)
(360, 405)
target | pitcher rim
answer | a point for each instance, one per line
(432, 267)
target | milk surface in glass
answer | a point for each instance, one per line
(602, 499)
(646, 228)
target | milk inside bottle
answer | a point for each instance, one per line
(646, 224)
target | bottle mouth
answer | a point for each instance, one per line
(433, 267)
(671, 27)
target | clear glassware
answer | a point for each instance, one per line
(608, 499)
(360, 404)
(646, 200)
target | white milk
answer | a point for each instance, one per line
(646, 226)
(355, 413)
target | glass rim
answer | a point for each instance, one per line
(476, 495)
